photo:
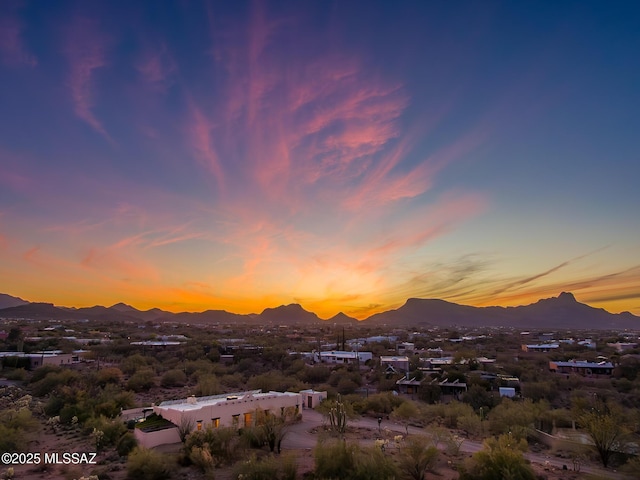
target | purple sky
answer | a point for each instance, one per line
(342, 155)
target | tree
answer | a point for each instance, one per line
(605, 424)
(501, 458)
(272, 429)
(515, 417)
(479, 398)
(405, 413)
(417, 457)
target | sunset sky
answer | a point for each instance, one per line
(345, 155)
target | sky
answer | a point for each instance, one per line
(346, 155)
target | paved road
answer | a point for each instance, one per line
(298, 436)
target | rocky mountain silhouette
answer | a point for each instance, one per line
(563, 311)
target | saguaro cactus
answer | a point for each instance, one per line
(338, 416)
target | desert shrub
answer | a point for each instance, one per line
(16, 422)
(224, 444)
(479, 398)
(379, 403)
(126, 444)
(41, 372)
(141, 381)
(137, 362)
(53, 406)
(53, 380)
(145, 464)
(268, 468)
(471, 424)
(208, 384)
(194, 369)
(417, 457)
(343, 461)
(516, 417)
(173, 378)
(501, 458)
(201, 457)
(109, 375)
(12, 439)
(316, 374)
(537, 391)
(451, 412)
(406, 413)
(112, 430)
(17, 374)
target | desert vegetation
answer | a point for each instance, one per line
(369, 427)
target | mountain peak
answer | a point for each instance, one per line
(342, 318)
(567, 297)
(123, 307)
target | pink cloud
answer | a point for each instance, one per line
(85, 50)
(156, 68)
(199, 131)
(13, 50)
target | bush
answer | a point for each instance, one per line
(52, 380)
(342, 461)
(471, 424)
(173, 378)
(141, 381)
(417, 457)
(109, 375)
(126, 444)
(501, 458)
(112, 430)
(268, 468)
(207, 385)
(145, 464)
(224, 444)
(18, 374)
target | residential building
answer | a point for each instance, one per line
(312, 398)
(405, 348)
(544, 347)
(342, 357)
(408, 385)
(623, 346)
(582, 367)
(226, 410)
(399, 363)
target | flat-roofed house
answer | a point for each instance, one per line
(342, 357)
(544, 347)
(581, 367)
(227, 410)
(399, 363)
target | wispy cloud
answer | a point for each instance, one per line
(85, 49)
(156, 67)
(526, 280)
(13, 50)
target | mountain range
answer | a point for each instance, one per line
(563, 311)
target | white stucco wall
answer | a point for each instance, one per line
(159, 437)
(202, 412)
